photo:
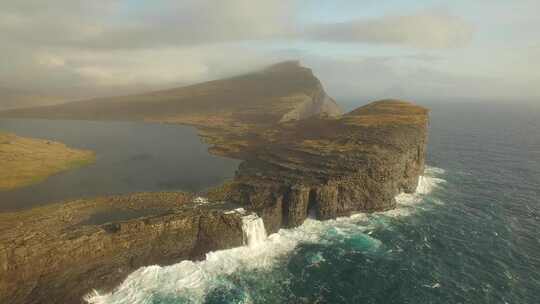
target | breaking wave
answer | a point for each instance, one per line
(190, 281)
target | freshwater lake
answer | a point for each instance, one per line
(131, 157)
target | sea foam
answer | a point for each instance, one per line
(191, 281)
(406, 202)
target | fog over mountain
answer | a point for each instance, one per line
(410, 49)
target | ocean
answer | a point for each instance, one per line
(470, 234)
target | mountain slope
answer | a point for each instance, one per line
(13, 98)
(284, 91)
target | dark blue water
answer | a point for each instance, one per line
(131, 157)
(482, 245)
(473, 238)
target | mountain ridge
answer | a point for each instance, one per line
(276, 90)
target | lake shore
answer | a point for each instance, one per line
(25, 161)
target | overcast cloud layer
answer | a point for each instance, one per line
(78, 49)
(422, 30)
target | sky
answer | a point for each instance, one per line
(360, 49)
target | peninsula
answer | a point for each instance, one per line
(301, 156)
(25, 161)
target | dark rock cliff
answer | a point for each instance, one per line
(58, 253)
(329, 167)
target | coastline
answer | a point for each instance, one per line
(318, 164)
(26, 161)
(141, 285)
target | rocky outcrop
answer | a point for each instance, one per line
(58, 253)
(328, 167)
(316, 104)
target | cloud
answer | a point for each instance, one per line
(424, 30)
(113, 24)
(176, 66)
(363, 79)
(114, 47)
(82, 49)
(87, 73)
(116, 25)
(50, 61)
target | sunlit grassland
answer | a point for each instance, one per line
(26, 161)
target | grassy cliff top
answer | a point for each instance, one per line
(387, 112)
(53, 218)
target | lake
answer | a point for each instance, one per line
(131, 157)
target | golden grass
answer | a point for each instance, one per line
(222, 120)
(210, 120)
(387, 112)
(327, 146)
(25, 161)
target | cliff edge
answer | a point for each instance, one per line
(280, 92)
(330, 167)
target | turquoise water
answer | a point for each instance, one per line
(471, 234)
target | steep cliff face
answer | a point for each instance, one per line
(329, 167)
(58, 253)
(315, 104)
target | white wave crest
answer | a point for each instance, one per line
(434, 171)
(426, 184)
(193, 280)
(254, 231)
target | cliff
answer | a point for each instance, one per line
(300, 159)
(58, 253)
(331, 167)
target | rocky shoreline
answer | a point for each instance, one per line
(317, 163)
(331, 167)
(48, 254)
